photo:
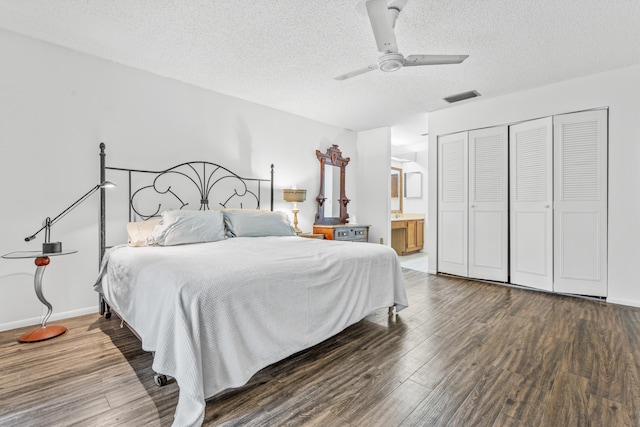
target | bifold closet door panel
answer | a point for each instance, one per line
(580, 205)
(531, 203)
(488, 204)
(452, 203)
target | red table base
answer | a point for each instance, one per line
(41, 334)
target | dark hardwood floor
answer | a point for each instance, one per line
(463, 354)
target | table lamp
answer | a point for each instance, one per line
(294, 196)
(49, 247)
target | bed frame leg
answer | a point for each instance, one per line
(391, 310)
(160, 380)
(105, 310)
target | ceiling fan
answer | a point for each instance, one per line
(383, 19)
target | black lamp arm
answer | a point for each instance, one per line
(49, 222)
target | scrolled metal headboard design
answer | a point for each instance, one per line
(180, 186)
(204, 176)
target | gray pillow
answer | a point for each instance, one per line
(182, 227)
(254, 223)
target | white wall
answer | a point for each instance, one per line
(620, 91)
(374, 183)
(58, 105)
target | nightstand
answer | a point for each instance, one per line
(345, 232)
(44, 332)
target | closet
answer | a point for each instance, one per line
(531, 213)
(580, 203)
(488, 204)
(453, 204)
(527, 203)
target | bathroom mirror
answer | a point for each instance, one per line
(332, 200)
(396, 190)
(413, 185)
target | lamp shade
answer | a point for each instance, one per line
(291, 195)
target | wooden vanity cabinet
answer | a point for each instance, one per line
(407, 236)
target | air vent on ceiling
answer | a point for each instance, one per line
(461, 96)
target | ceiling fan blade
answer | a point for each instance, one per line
(356, 72)
(412, 60)
(398, 4)
(395, 7)
(382, 25)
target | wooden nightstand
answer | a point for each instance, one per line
(346, 232)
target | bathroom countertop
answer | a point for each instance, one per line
(406, 216)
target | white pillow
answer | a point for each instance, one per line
(139, 231)
(254, 223)
(181, 227)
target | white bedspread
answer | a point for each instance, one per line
(217, 313)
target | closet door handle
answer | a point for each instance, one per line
(546, 206)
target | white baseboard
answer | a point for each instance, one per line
(55, 316)
(623, 302)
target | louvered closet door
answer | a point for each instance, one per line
(488, 207)
(531, 196)
(452, 204)
(580, 207)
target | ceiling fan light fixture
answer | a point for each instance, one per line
(391, 61)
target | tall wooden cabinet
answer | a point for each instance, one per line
(527, 203)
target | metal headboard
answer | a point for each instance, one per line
(202, 175)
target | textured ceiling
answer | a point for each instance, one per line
(285, 53)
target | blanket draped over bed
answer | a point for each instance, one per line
(216, 313)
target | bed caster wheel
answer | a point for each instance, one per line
(107, 315)
(160, 380)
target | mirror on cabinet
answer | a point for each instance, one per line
(332, 200)
(396, 190)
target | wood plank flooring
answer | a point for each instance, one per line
(463, 354)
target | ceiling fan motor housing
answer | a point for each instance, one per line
(382, 17)
(391, 61)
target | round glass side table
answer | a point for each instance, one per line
(44, 332)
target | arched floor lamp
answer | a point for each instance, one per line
(49, 249)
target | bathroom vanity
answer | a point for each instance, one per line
(407, 233)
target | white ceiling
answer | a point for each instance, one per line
(285, 53)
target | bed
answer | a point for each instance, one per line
(215, 312)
